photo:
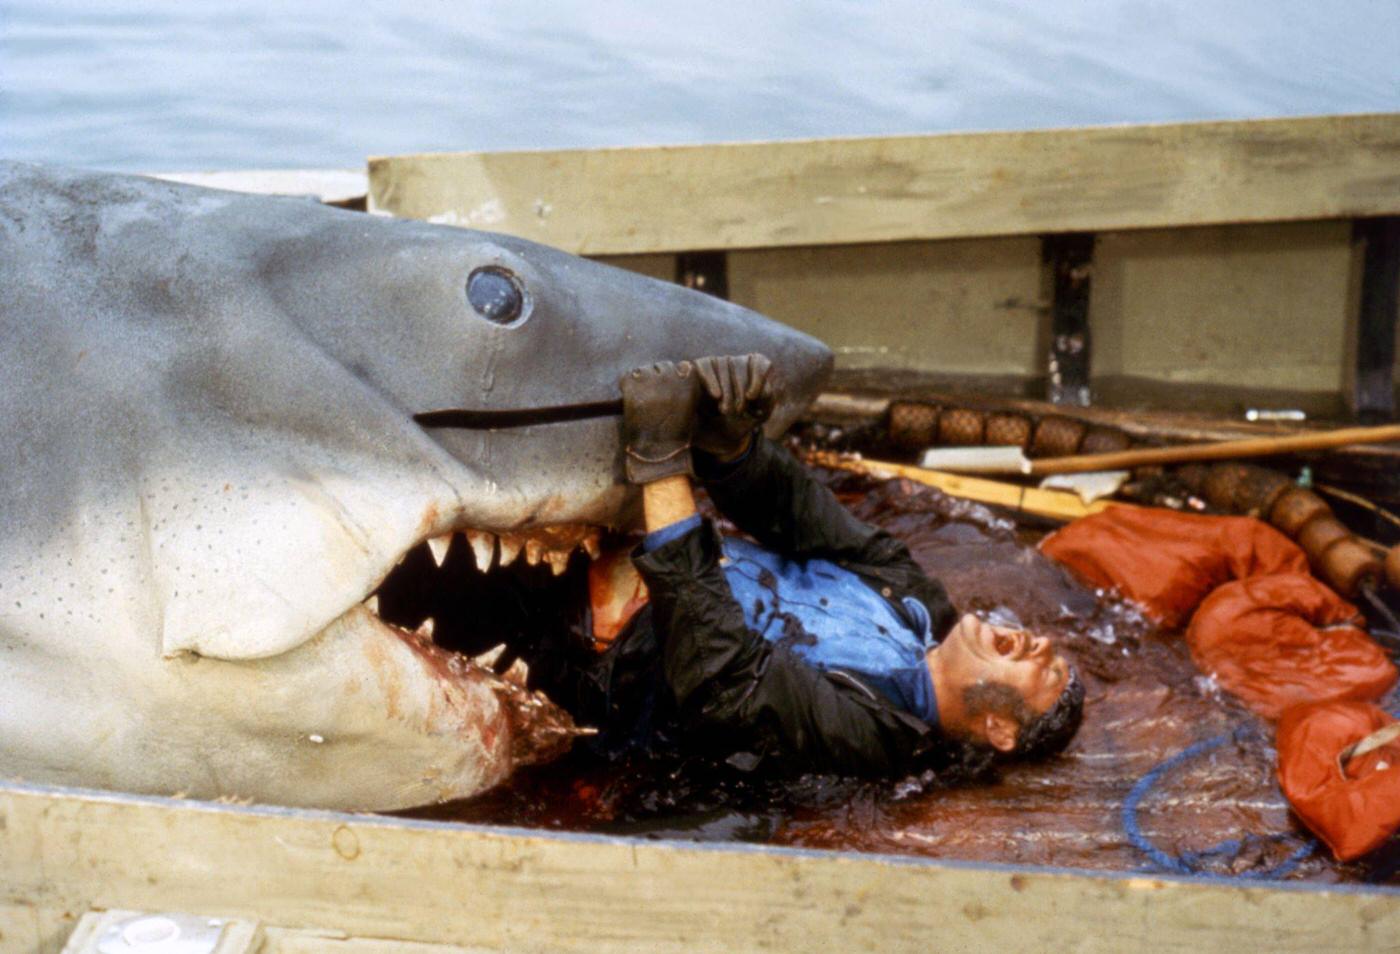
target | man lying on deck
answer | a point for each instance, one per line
(822, 648)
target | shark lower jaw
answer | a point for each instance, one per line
(469, 603)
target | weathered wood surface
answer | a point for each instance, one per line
(284, 941)
(840, 191)
(28, 929)
(370, 877)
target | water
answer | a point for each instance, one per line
(153, 85)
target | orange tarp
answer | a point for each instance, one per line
(1354, 808)
(1272, 635)
(1269, 632)
(1167, 562)
(1277, 641)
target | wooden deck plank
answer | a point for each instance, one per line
(432, 883)
(841, 191)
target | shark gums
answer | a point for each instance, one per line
(229, 422)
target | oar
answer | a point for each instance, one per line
(1225, 450)
(1058, 504)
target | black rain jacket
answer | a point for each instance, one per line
(689, 666)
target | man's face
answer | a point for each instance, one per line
(975, 651)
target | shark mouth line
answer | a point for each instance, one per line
(518, 417)
(493, 597)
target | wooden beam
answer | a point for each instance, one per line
(501, 889)
(1226, 450)
(1055, 504)
(841, 191)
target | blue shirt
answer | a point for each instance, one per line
(830, 617)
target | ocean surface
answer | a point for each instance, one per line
(196, 85)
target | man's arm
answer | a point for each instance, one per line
(667, 501)
(757, 485)
(771, 496)
(728, 678)
(724, 675)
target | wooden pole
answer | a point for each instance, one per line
(1059, 504)
(1227, 450)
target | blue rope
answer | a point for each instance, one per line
(1191, 862)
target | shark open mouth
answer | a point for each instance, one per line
(493, 596)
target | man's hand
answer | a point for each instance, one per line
(658, 417)
(737, 399)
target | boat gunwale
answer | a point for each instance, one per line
(508, 832)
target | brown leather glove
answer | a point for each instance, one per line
(737, 399)
(658, 417)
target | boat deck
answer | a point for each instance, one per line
(1146, 703)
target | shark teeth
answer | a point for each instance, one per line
(510, 548)
(483, 545)
(488, 659)
(592, 544)
(518, 673)
(553, 545)
(439, 547)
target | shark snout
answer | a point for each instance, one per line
(802, 365)
(689, 325)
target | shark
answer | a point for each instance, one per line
(236, 426)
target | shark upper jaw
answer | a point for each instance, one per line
(475, 591)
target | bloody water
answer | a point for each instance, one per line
(1146, 702)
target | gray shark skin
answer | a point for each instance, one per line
(211, 461)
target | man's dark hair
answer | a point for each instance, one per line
(1037, 736)
(1048, 733)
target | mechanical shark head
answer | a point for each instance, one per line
(231, 421)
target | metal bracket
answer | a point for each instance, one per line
(138, 932)
(1372, 386)
(1071, 258)
(704, 271)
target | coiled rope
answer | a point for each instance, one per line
(1192, 862)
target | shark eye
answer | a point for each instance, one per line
(495, 294)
